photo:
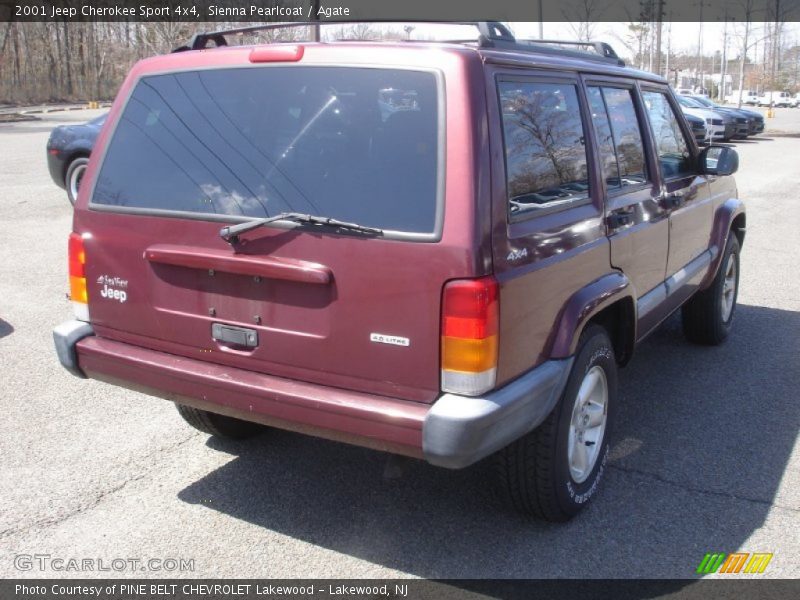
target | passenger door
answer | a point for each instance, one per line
(637, 225)
(684, 192)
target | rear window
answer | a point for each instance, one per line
(355, 144)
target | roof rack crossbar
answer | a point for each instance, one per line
(491, 34)
(488, 31)
(601, 48)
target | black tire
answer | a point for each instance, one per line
(75, 172)
(218, 425)
(534, 472)
(704, 318)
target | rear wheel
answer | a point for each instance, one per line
(708, 315)
(74, 176)
(218, 425)
(552, 472)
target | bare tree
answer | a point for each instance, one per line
(778, 11)
(589, 13)
(748, 6)
(83, 61)
(356, 31)
(659, 21)
(635, 41)
(5, 38)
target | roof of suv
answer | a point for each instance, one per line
(495, 44)
(563, 63)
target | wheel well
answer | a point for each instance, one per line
(739, 227)
(619, 321)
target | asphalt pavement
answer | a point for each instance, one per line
(705, 459)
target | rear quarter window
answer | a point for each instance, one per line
(355, 144)
(546, 162)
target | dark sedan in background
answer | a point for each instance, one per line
(699, 130)
(68, 151)
(754, 119)
(733, 126)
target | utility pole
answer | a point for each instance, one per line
(723, 72)
(315, 28)
(743, 58)
(659, 23)
(776, 42)
(714, 66)
(699, 66)
(541, 21)
(796, 62)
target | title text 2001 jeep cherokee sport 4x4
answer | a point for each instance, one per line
(441, 250)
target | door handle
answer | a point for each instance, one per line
(236, 336)
(673, 200)
(270, 267)
(619, 219)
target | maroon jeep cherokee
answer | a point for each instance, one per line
(440, 250)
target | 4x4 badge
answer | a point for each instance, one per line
(517, 254)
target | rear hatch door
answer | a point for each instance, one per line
(193, 151)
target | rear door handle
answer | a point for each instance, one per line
(256, 265)
(673, 200)
(235, 336)
(619, 219)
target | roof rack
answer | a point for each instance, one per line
(491, 34)
(602, 50)
(489, 31)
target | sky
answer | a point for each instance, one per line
(684, 36)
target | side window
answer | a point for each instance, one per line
(605, 139)
(673, 148)
(619, 137)
(546, 164)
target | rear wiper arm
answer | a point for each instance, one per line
(231, 233)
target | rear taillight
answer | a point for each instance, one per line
(77, 277)
(470, 317)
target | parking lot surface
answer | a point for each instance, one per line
(706, 455)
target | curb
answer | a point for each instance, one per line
(89, 106)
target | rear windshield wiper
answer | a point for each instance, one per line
(231, 233)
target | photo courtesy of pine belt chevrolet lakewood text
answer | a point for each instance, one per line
(443, 250)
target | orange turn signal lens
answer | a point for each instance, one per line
(472, 356)
(470, 324)
(77, 290)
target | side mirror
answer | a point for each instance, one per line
(719, 160)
